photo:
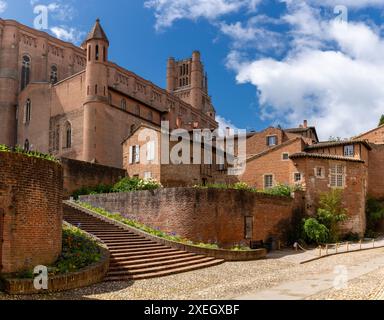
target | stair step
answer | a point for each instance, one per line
(147, 252)
(134, 256)
(159, 268)
(170, 271)
(119, 244)
(137, 249)
(140, 256)
(127, 262)
(140, 265)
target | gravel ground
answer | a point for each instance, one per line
(368, 287)
(230, 280)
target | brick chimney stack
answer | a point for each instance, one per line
(305, 123)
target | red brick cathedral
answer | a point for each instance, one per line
(73, 102)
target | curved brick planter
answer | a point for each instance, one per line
(90, 275)
(228, 255)
(31, 193)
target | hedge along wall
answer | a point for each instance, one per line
(30, 212)
(79, 174)
(204, 215)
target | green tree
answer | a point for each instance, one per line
(381, 120)
(331, 212)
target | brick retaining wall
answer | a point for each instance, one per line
(31, 207)
(79, 174)
(203, 215)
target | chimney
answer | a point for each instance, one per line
(305, 124)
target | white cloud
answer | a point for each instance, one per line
(252, 35)
(168, 11)
(59, 10)
(224, 124)
(339, 91)
(3, 6)
(68, 34)
(349, 3)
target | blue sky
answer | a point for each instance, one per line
(269, 62)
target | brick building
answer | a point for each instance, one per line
(296, 157)
(143, 158)
(73, 102)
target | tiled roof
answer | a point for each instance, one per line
(286, 143)
(97, 32)
(327, 144)
(324, 156)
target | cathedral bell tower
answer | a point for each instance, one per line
(96, 86)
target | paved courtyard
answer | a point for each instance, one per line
(277, 278)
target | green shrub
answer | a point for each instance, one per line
(316, 231)
(282, 190)
(325, 226)
(100, 189)
(375, 214)
(33, 154)
(331, 212)
(135, 184)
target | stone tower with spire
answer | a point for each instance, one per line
(96, 80)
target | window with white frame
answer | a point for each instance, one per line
(134, 154)
(268, 181)
(349, 151)
(337, 176)
(271, 141)
(297, 177)
(151, 151)
(285, 156)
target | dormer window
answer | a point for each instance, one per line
(349, 151)
(271, 141)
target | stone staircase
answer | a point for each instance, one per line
(133, 256)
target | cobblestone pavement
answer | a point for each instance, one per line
(232, 280)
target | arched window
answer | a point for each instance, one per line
(104, 54)
(68, 135)
(27, 111)
(53, 77)
(89, 52)
(123, 104)
(97, 53)
(26, 145)
(25, 72)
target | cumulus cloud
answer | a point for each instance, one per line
(225, 123)
(252, 35)
(340, 91)
(328, 72)
(68, 34)
(3, 6)
(349, 3)
(168, 11)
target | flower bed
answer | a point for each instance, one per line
(83, 262)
